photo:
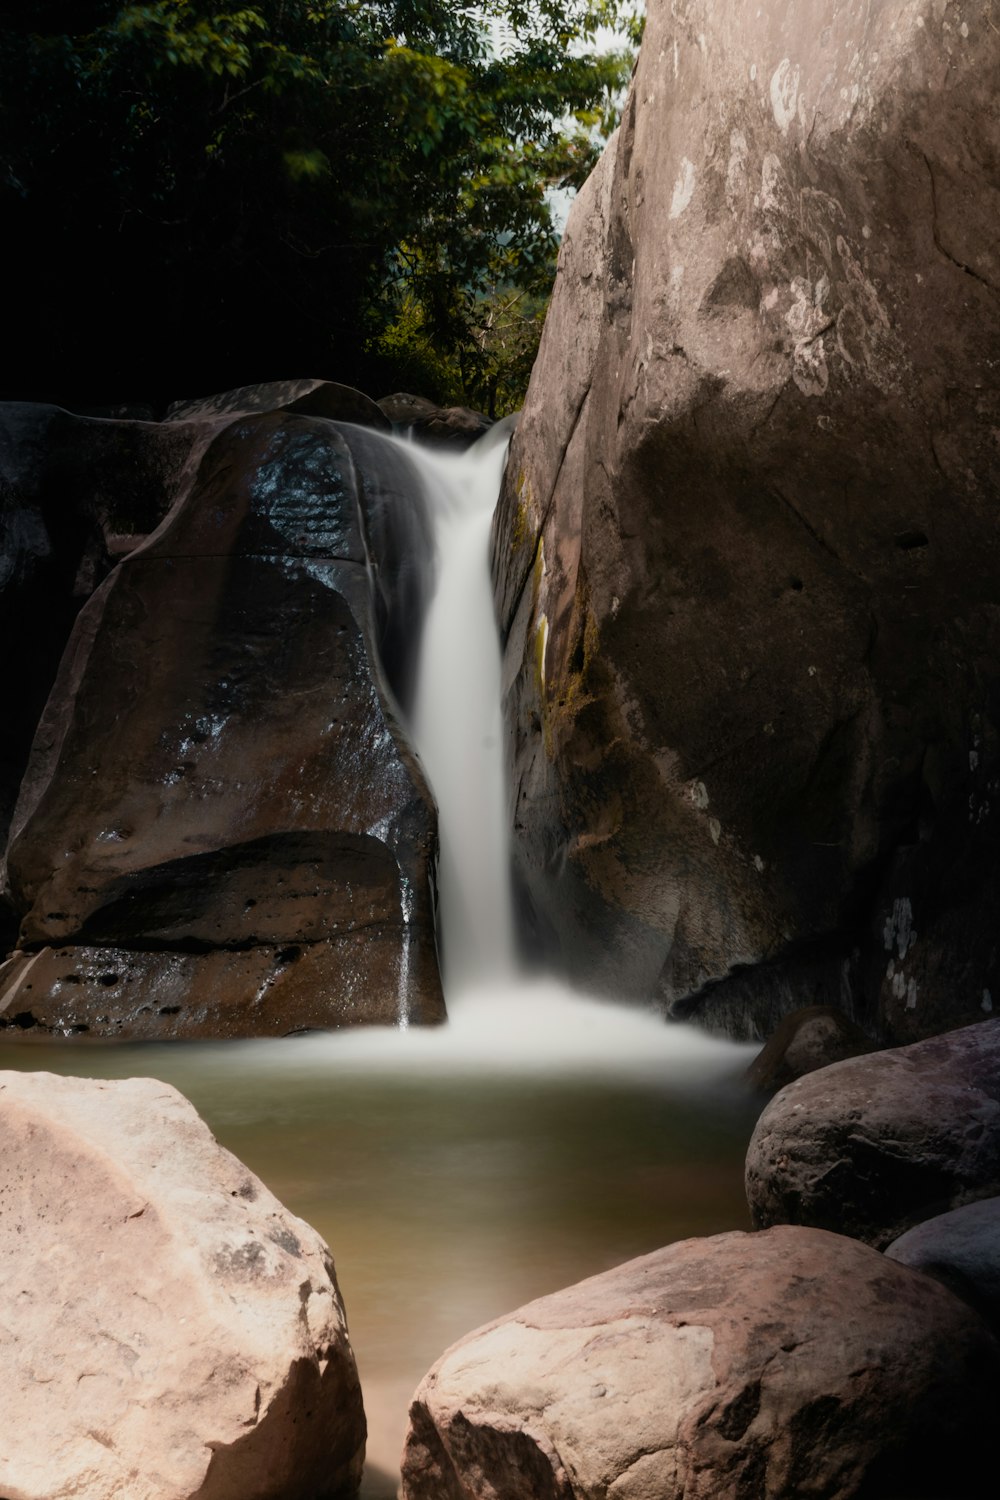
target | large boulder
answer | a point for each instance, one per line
(784, 1364)
(222, 829)
(75, 494)
(871, 1146)
(747, 551)
(310, 398)
(962, 1250)
(170, 1330)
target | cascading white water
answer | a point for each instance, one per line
(498, 1018)
(456, 721)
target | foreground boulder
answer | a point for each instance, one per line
(222, 829)
(746, 555)
(872, 1146)
(785, 1364)
(962, 1250)
(170, 1330)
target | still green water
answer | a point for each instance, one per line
(454, 1182)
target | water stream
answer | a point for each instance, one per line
(539, 1137)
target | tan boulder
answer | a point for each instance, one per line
(171, 1332)
(788, 1364)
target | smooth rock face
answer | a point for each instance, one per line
(784, 1364)
(962, 1250)
(222, 829)
(171, 1332)
(75, 494)
(874, 1145)
(310, 398)
(746, 555)
(439, 426)
(807, 1039)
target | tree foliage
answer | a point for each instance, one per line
(199, 193)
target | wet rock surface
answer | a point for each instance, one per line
(961, 1249)
(222, 828)
(782, 1364)
(746, 556)
(872, 1146)
(170, 1329)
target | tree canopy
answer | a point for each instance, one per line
(199, 194)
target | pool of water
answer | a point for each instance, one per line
(458, 1173)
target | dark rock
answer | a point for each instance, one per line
(779, 1365)
(222, 828)
(401, 552)
(441, 426)
(75, 494)
(871, 1146)
(962, 1250)
(746, 555)
(805, 1040)
(310, 398)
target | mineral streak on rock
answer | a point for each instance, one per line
(759, 451)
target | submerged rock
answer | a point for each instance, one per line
(223, 829)
(783, 1364)
(170, 1330)
(871, 1146)
(807, 1039)
(747, 551)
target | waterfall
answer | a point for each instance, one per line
(456, 719)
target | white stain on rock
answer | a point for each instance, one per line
(784, 94)
(773, 189)
(898, 930)
(736, 169)
(806, 320)
(683, 189)
(697, 794)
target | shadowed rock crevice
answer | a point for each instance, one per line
(308, 1421)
